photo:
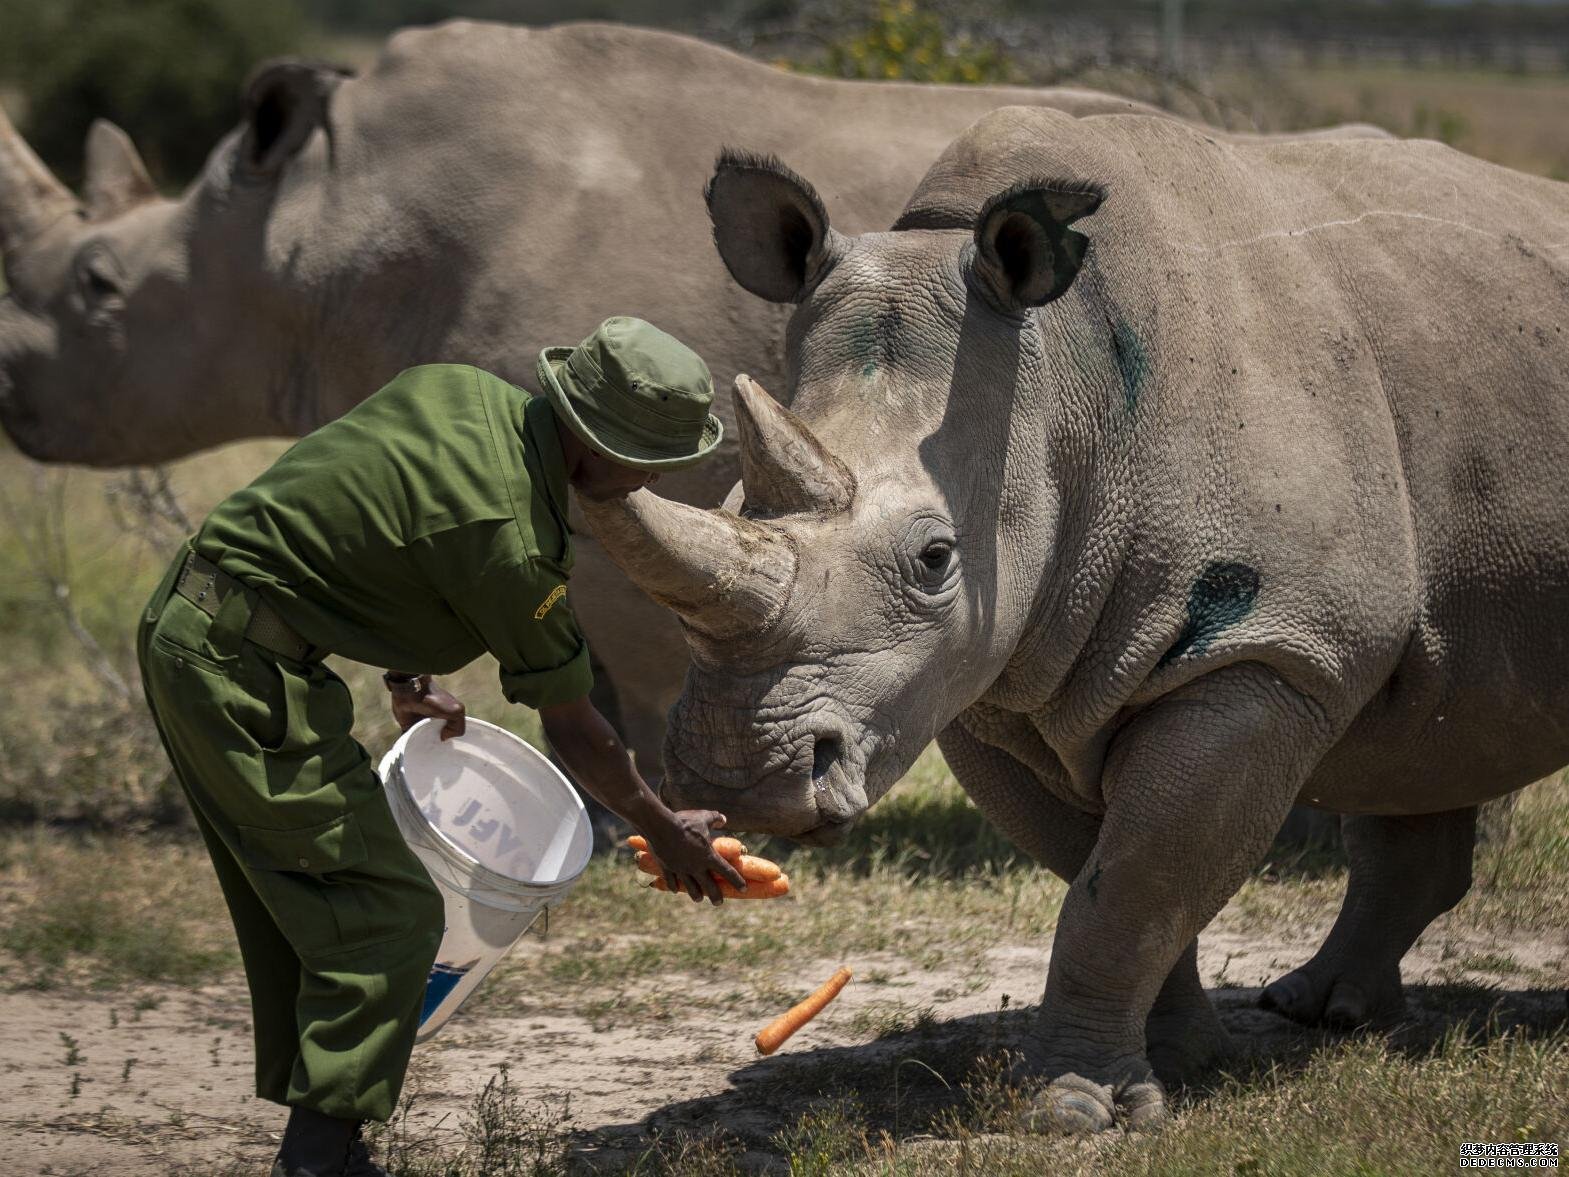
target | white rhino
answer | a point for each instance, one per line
(1169, 481)
(481, 192)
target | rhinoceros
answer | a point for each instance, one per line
(1168, 481)
(481, 192)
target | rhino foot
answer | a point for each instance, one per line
(1342, 999)
(1072, 1105)
(1184, 1044)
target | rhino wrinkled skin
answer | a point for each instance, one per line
(1168, 481)
(481, 192)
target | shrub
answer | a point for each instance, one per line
(903, 40)
(168, 71)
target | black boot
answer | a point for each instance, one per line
(315, 1145)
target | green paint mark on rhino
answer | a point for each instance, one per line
(1222, 596)
(865, 344)
(1132, 363)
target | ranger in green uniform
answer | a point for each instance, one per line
(420, 530)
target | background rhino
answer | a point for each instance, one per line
(1168, 481)
(481, 192)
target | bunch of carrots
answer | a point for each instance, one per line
(764, 879)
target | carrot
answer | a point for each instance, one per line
(756, 870)
(772, 1036)
(774, 889)
(724, 847)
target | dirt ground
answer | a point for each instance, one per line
(155, 1079)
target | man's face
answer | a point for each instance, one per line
(599, 478)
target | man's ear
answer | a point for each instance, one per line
(285, 101)
(1024, 254)
(770, 226)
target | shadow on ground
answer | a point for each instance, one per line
(945, 1078)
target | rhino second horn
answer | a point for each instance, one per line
(31, 199)
(117, 180)
(785, 470)
(723, 574)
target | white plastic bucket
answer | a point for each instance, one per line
(503, 835)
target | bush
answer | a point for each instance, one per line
(168, 71)
(901, 40)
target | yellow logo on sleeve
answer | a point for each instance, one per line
(549, 602)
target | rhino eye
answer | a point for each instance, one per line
(101, 276)
(935, 556)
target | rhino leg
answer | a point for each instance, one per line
(1195, 786)
(1183, 1035)
(1404, 873)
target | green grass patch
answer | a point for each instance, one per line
(106, 911)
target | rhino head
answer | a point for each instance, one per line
(112, 305)
(875, 570)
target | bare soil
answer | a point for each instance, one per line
(157, 1079)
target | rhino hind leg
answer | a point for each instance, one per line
(1183, 1035)
(1404, 873)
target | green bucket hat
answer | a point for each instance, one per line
(635, 394)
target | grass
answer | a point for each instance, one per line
(99, 912)
(1356, 1107)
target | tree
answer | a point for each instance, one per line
(168, 71)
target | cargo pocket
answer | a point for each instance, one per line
(309, 883)
(310, 707)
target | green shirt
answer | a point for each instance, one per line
(424, 527)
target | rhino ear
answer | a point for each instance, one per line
(1025, 254)
(117, 180)
(285, 101)
(769, 225)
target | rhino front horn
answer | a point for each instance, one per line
(785, 470)
(723, 574)
(31, 199)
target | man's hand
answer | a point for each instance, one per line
(420, 698)
(684, 847)
(598, 761)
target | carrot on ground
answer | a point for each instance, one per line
(772, 1036)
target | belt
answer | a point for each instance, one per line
(207, 587)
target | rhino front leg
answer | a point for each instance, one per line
(1183, 1036)
(1404, 873)
(1195, 786)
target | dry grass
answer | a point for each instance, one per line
(90, 911)
(1512, 119)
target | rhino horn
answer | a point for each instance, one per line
(31, 199)
(117, 180)
(723, 574)
(784, 468)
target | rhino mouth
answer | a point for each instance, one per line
(18, 418)
(813, 800)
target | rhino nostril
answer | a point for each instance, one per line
(825, 752)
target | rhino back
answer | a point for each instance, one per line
(486, 190)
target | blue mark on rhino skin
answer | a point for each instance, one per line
(1222, 596)
(1132, 362)
(874, 337)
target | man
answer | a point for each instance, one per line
(422, 529)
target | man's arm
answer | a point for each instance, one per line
(590, 748)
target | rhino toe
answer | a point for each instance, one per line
(1340, 1002)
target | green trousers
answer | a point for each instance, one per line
(338, 922)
